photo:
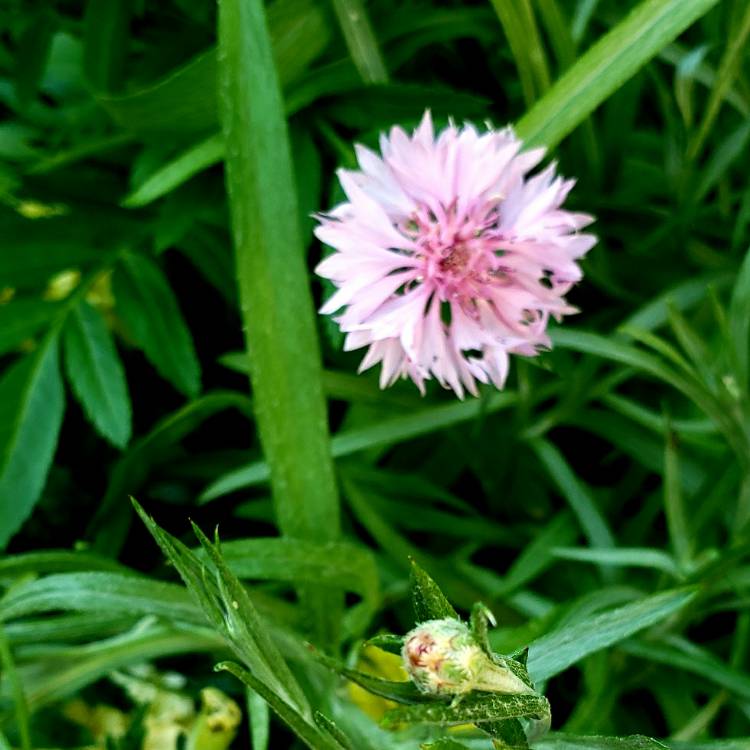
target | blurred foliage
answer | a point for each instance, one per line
(600, 506)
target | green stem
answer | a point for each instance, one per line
(277, 308)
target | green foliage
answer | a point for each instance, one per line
(159, 166)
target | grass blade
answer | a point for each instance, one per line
(360, 39)
(606, 66)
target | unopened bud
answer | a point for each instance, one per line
(443, 657)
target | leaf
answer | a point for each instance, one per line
(443, 744)
(556, 651)
(275, 297)
(336, 564)
(386, 432)
(260, 720)
(110, 524)
(560, 741)
(679, 653)
(33, 53)
(21, 319)
(330, 728)
(574, 491)
(428, 600)
(638, 557)
(75, 667)
(31, 411)
(148, 307)
(739, 324)
(100, 592)
(474, 708)
(401, 692)
(96, 373)
(612, 60)
(39, 248)
(307, 731)
(178, 170)
(105, 42)
(360, 39)
(185, 100)
(387, 642)
(228, 607)
(53, 561)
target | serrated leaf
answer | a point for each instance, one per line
(31, 411)
(428, 600)
(475, 708)
(96, 374)
(149, 309)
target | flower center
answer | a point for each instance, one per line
(459, 255)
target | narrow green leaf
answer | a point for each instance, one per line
(572, 742)
(443, 744)
(404, 692)
(306, 730)
(260, 720)
(21, 319)
(556, 651)
(330, 728)
(275, 297)
(105, 42)
(730, 61)
(360, 40)
(33, 52)
(21, 708)
(185, 101)
(54, 561)
(178, 170)
(248, 633)
(96, 374)
(515, 32)
(615, 58)
(674, 503)
(681, 654)
(582, 504)
(335, 564)
(475, 708)
(636, 557)
(149, 309)
(388, 432)
(428, 600)
(739, 324)
(75, 667)
(31, 411)
(110, 524)
(99, 592)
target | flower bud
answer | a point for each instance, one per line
(443, 657)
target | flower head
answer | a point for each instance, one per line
(449, 256)
(443, 657)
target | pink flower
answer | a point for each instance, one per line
(449, 256)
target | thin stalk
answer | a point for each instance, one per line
(276, 302)
(361, 41)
